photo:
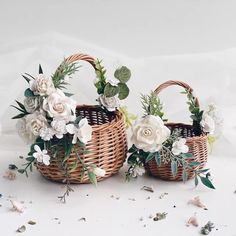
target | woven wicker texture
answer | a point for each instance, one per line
(197, 144)
(107, 149)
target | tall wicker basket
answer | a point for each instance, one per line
(197, 144)
(107, 149)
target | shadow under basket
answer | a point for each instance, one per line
(106, 150)
(197, 146)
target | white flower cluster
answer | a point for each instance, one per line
(51, 114)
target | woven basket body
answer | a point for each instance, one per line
(107, 149)
(197, 146)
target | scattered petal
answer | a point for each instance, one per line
(82, 219)
(10, 175)
(132, 199)
(192, 221)
(21, 229)
(197, 202)
(162, 195)
(16, 206)
(149, 189)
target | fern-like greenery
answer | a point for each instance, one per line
(152, 105)
(65, 69)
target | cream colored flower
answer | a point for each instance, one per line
(31, 104)
(99, 172)
(59, 128)
(207, 123)
(83, 131)
(110, 103)
(59, 106)
(46, 133)
(179, 147)
(42, 85)
(138, 171)
(149, 133)
(41, 155)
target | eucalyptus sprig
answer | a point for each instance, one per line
(152, 105)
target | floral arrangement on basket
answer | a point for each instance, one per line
(171, 151)
(70, 143)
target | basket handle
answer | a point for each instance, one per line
(80, 57)
(175, 82)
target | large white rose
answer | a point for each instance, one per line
(59, 128)
(30, 126)
(59, 106)
(42, 85)
(149, 133)
(110, 103)
(31, 104)
(207, 123)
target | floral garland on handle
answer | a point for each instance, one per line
(47, 119)
(151, 137)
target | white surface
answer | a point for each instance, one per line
(122, 32)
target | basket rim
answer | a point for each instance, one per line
(118, 117)
(202, 137)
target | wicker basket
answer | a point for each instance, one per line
(197, 144)
(107, 149)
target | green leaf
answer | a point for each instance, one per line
(21, 105)
(30, 159)
(40, 69)
(184, 175)
(174, 168)
(123, 74)
(187, 155)
(110, 91)
(21, 171)
(203, 170)
(29, 93)
(19, 116)
(123, 91)
(196, 181)
(194, 163)
(133, 158)
(82, 175)
(133, 149)
(150, 156)
(158, 158)
(68, 94)
(207, 182)
(26, 78)
(92, 177)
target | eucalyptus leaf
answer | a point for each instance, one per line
(123, 74)
(196, 181)
(207, 182)
(150, 156)
(92, 177)
(111, 91)
(158, 158)
(184, 175)
(195, 163)
(29, 93)
(123, 91)
(174, 168)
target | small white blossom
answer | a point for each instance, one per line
(59, 128)
(99, 172)
(42, 85)
(46, 133)
(110, 103)
(113, 81)
(179, 147)
(207, 123)
(83, 132)
(41, 155)
(138, 171)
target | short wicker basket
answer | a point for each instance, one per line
(107, 149)
(197, 144)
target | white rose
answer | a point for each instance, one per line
(179, 147)
(113, 81)
(31, 104)
(59, 106)
(110, 103)
(99, 172)
(59, 127)
(207, 124)
(149, 133)
(83, 131)
(42, 85)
